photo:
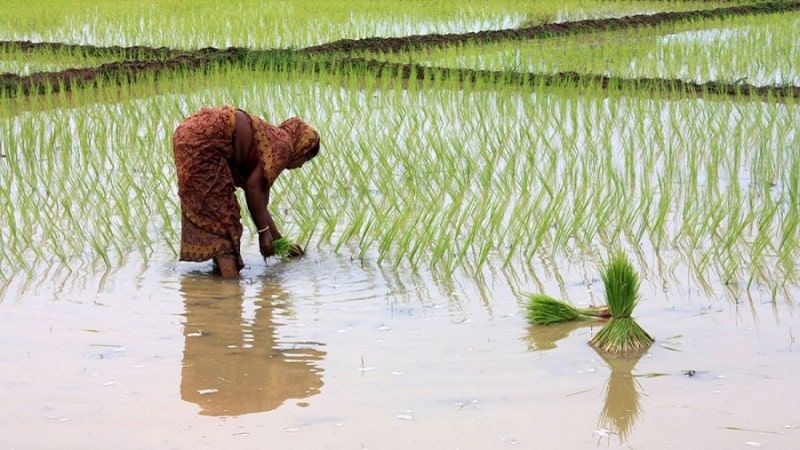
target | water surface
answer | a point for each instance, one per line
(331, 351)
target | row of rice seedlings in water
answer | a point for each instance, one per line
(19, 62)
(76, 194)
(178, 24)
(93, 182)
(708, 50)
(437, 175)
(567, 164)
(220, 24)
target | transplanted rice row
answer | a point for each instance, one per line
(425, 173)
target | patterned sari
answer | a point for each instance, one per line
(207, 176)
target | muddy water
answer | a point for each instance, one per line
(335, 352)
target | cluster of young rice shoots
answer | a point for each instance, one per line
(545, 310)
(712, 50)
(621, 334)
(285, 248)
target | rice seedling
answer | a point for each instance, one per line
(545, 310)
(286, 249)
(621, 334)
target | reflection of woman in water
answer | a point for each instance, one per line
(233, 365)
(218, 150)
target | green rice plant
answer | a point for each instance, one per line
(545, 310)
(621, 334)
(287, 249)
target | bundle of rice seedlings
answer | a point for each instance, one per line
(545, 310)
(621, 334)
(285, 248)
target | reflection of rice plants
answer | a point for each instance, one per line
(621, 334)
(545, 310)
(621, 408)
(542, 338)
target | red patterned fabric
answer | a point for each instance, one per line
(211, 222)
(208, 178)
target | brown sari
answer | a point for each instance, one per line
(208, 177)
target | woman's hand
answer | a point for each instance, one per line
(265, 244)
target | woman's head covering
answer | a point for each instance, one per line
(305, 138)
(281, 145)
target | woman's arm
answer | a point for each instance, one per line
(256, 193)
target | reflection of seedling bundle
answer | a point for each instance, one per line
(545, 310)
(621, 409)
(621, 334)
(285, 248)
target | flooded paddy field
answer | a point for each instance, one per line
(335, 352)
(433, 207)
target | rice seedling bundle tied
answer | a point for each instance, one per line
(285, 248)
(545, 310)
(621, 334)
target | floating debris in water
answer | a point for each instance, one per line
(207, 391)
(406, 415)
(462, 405)
(603, 432)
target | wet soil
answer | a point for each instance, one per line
(136, 62)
